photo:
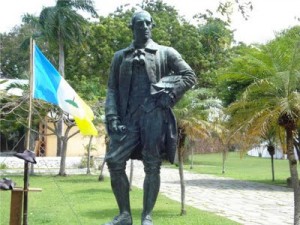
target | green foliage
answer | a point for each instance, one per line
(247, 65)
(14, 60)
(266, 102)
(167, 22)
(252, 63)
(187, 41)
(195, 114)
(215, 38)
(13, 116)
(62, 22)
(93, 59)
(196, 103)
(83, 162)
(276, 97)
(89, 88)
(3, 166)
(285, 50)
(84, 159)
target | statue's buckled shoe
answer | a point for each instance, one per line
(122, 219)
(147, 220)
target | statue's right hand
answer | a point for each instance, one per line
(116, 127)
(113, 125)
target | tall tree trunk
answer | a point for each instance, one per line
(32, 148)
(61, 59)
(271, 150)
(88, 161)
(182, 137)
(61, 70)
(131, 174)
(64, 140)
(101, 176)
(223, 160)
(294, 174)
(62, 168)
(272, 167)
(182, 183)
(192, 158)
(59, 135)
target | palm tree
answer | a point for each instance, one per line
(62, 26)
(192, 113)
(274, 101)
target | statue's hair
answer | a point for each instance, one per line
(130, 25)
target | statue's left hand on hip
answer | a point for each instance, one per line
(166, 100)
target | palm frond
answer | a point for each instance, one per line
(85, 5)
(195, 128)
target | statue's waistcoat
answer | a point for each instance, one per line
(152, 67)
(140, 87)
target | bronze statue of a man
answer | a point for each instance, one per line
(146, 80)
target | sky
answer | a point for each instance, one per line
(267, 18)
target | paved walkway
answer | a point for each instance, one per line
(244, 202)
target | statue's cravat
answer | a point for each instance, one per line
(139, 56)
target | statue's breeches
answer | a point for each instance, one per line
(144, 135)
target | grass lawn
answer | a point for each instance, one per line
(243, 168)
(82, 200)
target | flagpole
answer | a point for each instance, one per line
(26, 164)
(30, 94)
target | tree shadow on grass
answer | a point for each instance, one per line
(77, 179)
(89, 191)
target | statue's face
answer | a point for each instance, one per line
(142, 26)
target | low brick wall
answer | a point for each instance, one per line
(46, 164)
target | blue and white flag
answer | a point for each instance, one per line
(51, 87)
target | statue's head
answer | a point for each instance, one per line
(141, 25)
(137, 15)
